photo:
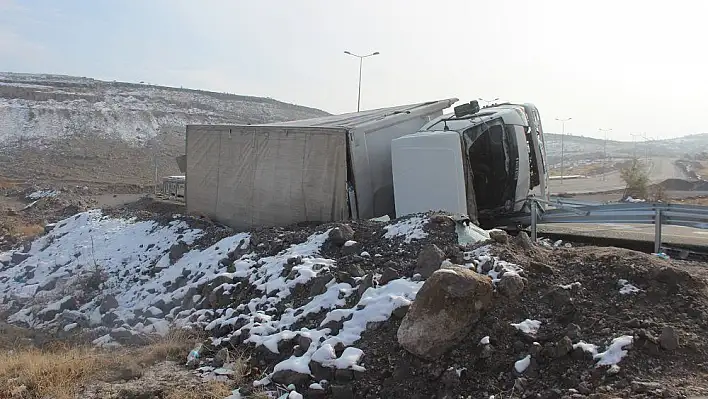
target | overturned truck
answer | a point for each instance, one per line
(393, 161)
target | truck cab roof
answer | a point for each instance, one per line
(512, 114)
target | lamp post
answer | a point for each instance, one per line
(361, 62)
(562, 121)
(604, 151)
(489, 101)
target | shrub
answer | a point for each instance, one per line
(637, 180)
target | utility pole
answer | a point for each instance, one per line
(604, 159)
(361, 63)
(562, 121)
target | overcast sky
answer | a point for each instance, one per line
(633, 66)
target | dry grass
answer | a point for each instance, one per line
(8, 183)
(210, 390)
(28, 230)
(59, 372)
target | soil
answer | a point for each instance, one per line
(674, 295)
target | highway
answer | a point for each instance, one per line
(660, 170)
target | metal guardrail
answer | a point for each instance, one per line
(657, 214)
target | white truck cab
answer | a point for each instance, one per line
(483, 163)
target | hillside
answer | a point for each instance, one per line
(63, 128)
(675, 147)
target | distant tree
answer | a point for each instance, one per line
(637, 179)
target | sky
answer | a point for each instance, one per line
(635, 67)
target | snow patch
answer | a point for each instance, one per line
(615, 352)
(411, 229)
(528, 326)
(627, 288)
(521, 365)
(571, 286)
(43, 194)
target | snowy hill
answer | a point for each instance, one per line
(50, 106)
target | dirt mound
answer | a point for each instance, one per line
(583, 298)
(677, 185)
(317, 308)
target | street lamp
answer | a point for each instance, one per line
(604, 150)
(361, 62)
(562, 121)
(489, 101)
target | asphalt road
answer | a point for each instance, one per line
(660, 170)
(671, 235)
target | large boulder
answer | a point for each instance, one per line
(446, 308)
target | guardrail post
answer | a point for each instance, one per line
(534, 216)
(657, 231)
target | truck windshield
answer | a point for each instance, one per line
(488, 148)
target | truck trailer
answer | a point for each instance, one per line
(316, 170)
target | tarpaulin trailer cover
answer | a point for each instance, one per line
(299, 171)
(247, 176)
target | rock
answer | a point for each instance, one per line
(443, 222)
(389, 274)
(524, 241)
(49, 284)
(344, 277)
(535, 349)
(539, 267)
(429, 260)
(304, 342)
(499, 236)
(321, 372)
(366, 282)
(354, 270)
(563, 347)
(288, 377)
(400, 312)
(447, 306)
(511, 285)
(108, 303)
(343, 376)
(487, 351)
(221, 357)
(669, 338)
(177, 250)
(319, 284)
(341, 234)
(487, 266)
(18, 257)
(642, 387)
(558, 298)
(342, 392)
(313, 393)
